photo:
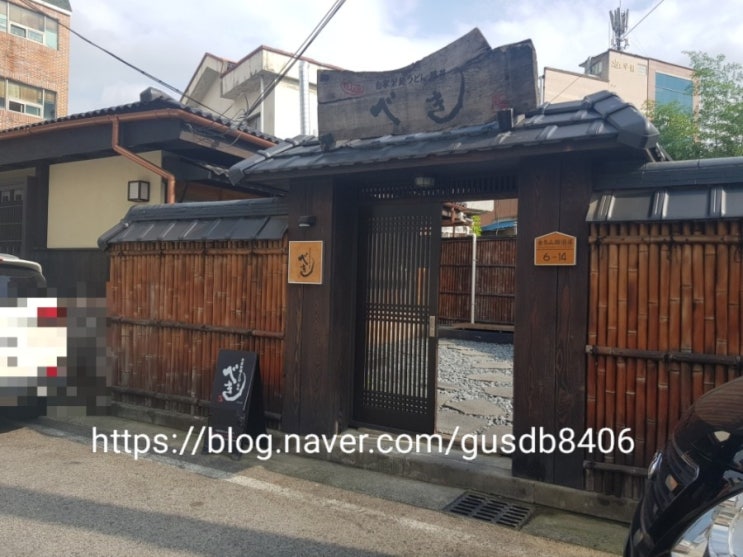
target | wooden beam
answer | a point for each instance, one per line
(221, 145)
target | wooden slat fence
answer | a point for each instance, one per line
(495, 286)
(664, 327)
(173, 305)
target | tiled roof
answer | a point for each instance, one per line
(670, 191)
(150, 99)
(601, 116)
(727, 170)
(243, 219)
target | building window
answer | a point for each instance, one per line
(596, 68)
(26, 99)
(29, 24)
(669, 88)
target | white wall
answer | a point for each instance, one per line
(287, 121)
(630, 75)
(230, 92)
(86, 198)
(561, 86)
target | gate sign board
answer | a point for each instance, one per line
(237, 397)
(465, 83)
(305, 262)
(554, 249)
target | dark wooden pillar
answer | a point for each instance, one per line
(35, 212)
(551, 318)
(319, 325)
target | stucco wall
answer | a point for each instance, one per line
(630, 73)
(562, 86)
(86, 198)
(629, 76)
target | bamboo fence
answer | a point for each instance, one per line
(495, 285)
(173, 305)
(663, 328)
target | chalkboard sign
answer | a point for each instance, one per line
(237, 398)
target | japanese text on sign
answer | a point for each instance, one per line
(554, 248)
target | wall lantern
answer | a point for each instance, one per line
(139, 190)
(424, 181)
(306, 221)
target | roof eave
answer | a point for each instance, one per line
(499, 156)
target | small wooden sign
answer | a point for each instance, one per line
(305, 262)
(555, 248)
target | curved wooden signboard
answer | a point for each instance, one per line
(464, 83)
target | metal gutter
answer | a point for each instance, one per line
(170, 178)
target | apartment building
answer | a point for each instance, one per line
(635, 79)
(231, 89)
(34, 65)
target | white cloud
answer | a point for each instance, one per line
(168, 38)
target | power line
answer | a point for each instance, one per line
(30, 4)
(643, 18)
(568, 86)
(301, 50)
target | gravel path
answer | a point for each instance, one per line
(475, 386)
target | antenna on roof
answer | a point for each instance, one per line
(619, 22)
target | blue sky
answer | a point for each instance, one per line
(167, 38)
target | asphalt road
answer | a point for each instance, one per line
(57, 497)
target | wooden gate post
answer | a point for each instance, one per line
(551, 318)
(319, 322)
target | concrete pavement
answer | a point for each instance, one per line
(583, 532)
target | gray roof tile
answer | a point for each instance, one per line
(599, 116)
(244, 219)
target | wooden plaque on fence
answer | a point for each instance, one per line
(555, 249)
(237, 397)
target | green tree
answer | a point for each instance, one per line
(715, 129)
(678, 130)
(476, 225)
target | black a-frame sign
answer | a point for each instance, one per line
(237, 400)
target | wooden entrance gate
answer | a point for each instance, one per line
(395, 378)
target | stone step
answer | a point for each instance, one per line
(492, 377)
(504, 392)
(448, 422)
(477, 408)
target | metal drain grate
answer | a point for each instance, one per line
(490, 508)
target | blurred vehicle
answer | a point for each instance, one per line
(693, 500)
(33, 337)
